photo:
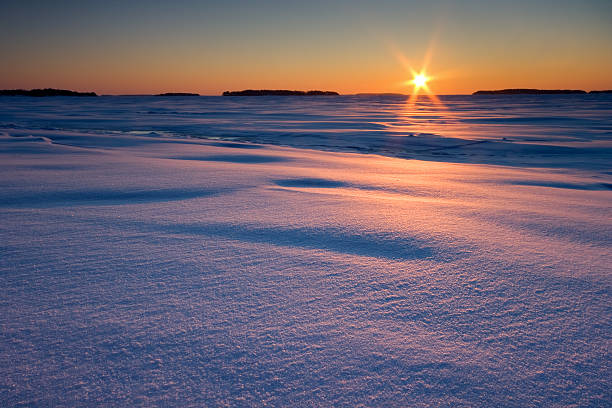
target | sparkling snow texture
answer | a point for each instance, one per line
(139, 266)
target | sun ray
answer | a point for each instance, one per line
(420, 79)
(419, 82)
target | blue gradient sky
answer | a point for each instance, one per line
(348, 46)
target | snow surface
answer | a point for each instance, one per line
(142, 268)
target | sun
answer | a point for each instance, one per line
(420, 80)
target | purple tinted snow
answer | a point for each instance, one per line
(294, 277)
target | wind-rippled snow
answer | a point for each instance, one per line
(141, 266)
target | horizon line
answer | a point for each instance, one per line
(194, 94)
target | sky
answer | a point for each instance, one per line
(349, 46)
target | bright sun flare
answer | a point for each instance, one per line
(420, 80)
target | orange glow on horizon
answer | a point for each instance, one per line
(208, 48)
